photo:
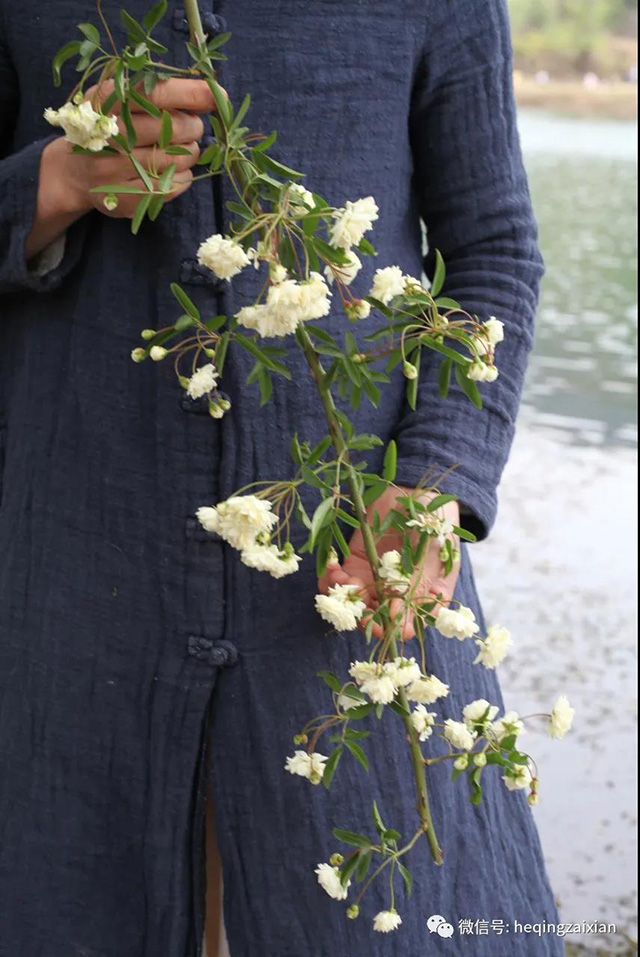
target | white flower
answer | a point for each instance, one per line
(269, 558)
(329, 880)
(381, 689)
(510, 723)
(411, 281)
(341, 607)
(277, 273)
(223, 256)
(387, 283)
(458, 734)
(479, 712)
(202, 381)
(518, 778)
(493, 648)
(386, 921)
(427, 690)
(358, 309)
(346, 702)
(433, 525)
(298, 195)
(353, 221)
(403, 671)
(157, 353)
(423, 721)
(361, 671)
(391, 572)
(82, 125)
(561, 718)
(347, 272)
(288, 304)
(239, 520)
(494, 330)
(481, 372)
(310, 766)
(460, 623)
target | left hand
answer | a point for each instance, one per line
(430, 577)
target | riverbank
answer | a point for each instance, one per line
(610, 100)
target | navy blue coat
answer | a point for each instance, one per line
(126, 631)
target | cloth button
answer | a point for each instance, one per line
(218, 654)
(193, 273)
(194, 532)
(211, 22)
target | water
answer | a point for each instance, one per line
(559, 568)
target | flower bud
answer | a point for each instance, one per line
(78, 98)
(183, 381)
(336, 860)
(300, 739)
(138, 355)
(533, 799)
(315, 778)
(461, 763)
(358, 309)
(224, 404)
(215, 410)
(110, 202)
(409, 371)
(210, 353)
(353, 911)
(332, 557)
(480, 759)
(148, 333)
(158, 353)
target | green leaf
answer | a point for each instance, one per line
(222, 103)
(347, 869)
(166, 130)
(406, 877)
(165, 181)
(267, 142)
(469, 388)
(374, 492)
(340, 540)
(444, 377)
(221, 351)
(242, 112)
(177, 151)
(117, 188)
(184, 322)
(439, 273)
(323, 547)
(89, 31)
(358, 754)
(330, 767)
(439, 500)
(216, 42)
(323, 515)
(266, 164)
(132, 136)
(444, 302)
(154, 15)
(145, 104)
(64, 53)
(140, 212)
(189, 307)
(390, 464)
(350, 837)
(330, 679)
(364, 863)
(377, 820)
(397, 707)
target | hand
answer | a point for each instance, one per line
(66, 178)
(430, 577)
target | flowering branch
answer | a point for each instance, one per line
(309, 252)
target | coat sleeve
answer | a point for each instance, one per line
(19, 174)
(474, 201)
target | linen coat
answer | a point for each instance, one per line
(128, 635)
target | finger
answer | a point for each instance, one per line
(178, 94)
(186, 128)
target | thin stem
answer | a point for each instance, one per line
(195, 23)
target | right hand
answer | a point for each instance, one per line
(74, 175)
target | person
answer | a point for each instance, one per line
(140, 661)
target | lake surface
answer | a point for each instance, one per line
(559, 568)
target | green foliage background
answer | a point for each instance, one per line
(570, 37)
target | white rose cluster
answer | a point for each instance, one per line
(246, 522)
(380, 682)
(352, 221)
(223, 256)
(309, 766)
(341, 607)
(329, 881)
(390, 571)
(288, 303)
(83, 126)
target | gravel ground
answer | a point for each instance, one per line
(559, 571)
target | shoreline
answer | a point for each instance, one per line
(615, 101)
